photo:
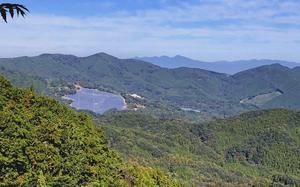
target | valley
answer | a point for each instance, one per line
(95, 101)
(165, 91)
(73, 116)
(198, 127)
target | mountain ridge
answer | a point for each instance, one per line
(228, 67)
(207, 91)
(257, 148)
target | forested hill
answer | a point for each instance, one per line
(43, 143)
(259, 148)
(270, 86)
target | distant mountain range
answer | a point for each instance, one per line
(228, 67)
(211, 93)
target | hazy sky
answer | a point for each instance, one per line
(202, 29)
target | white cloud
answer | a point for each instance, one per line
(211, 30)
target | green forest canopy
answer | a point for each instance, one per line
(45, 143)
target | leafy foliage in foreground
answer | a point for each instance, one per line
(254, 149)
(12, 9)
(46, 144)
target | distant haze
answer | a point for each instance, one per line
(228, 67)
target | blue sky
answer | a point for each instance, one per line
(85, 8)
(207, 30)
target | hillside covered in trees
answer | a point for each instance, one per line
(43, 143)
(165, 91)
(178, 123)
(46, 143)
(254, 149)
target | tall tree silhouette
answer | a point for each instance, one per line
(10, 8)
